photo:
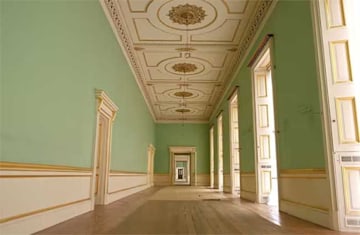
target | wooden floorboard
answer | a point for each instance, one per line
(185, 210)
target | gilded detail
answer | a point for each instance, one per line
(183, 94)
(187, 14)
(184, 67)
(183, 110)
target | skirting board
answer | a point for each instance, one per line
(313, 215)
(250, 196)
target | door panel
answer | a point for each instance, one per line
(340, 35)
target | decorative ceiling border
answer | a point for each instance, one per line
(112, 11)
(257, 21)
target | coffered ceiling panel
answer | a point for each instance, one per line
(184, 53)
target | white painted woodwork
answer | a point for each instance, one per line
(33, 200)
(212, 167)
(151, 158)
(338, 35)
(106, 113)
(234, 144)
(248, 186)
(305, 195)
(123, 184)
(220, 153)
(264, 126)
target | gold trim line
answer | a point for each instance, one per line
(40, 167)
(40, 211)
(124, 189)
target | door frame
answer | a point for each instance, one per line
(212, 160)
(335, 166)
(231, 100)
(183, 150)
(105, 108)
(151, 157)
(267, 46)
(220, 166)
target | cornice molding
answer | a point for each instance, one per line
(263, 10)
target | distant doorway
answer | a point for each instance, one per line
(183, 165)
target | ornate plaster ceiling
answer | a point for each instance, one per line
(184, 53)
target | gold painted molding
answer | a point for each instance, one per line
(308, 173)
(246, 191)
(323, 209)
(247, 174)
(7, 219)
(128, 173)
(124, 189)
(17, 166)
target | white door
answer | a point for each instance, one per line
(234, 146)
(212, 157)
(340, 39)
(264, 129)
(220, 154)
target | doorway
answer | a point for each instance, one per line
(220, 153)
(106, 112)
(183, 165)
(182, 169)
(212, 178)
(264, 129)
(234, 144)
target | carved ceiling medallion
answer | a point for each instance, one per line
(182, 110)
(187, 14)
(183, 94)
(184, 67)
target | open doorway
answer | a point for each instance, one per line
(106, 112)
(264, 129)
(183, 165)
(182, 169)
(234, 144)
(212, 179)
(220, 153)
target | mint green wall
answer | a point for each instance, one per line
(196, 135)
(297, 93)
(54, 55)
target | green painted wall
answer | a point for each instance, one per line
(54, 55)
(297, 92)
(196, 135)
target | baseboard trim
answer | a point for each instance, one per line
(315, 215)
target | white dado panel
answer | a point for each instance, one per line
(124, 184)
(306, 194)
(248, 186)
(227, 183)
(32, 200)
(161, 179)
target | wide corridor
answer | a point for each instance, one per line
(185, 210)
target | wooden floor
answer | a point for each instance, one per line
(185, 210)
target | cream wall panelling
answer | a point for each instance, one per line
(33, 199)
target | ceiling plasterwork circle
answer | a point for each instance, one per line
(183, 94)
(187, 14)
(182, 110)
(184, 67)
(193, 15)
